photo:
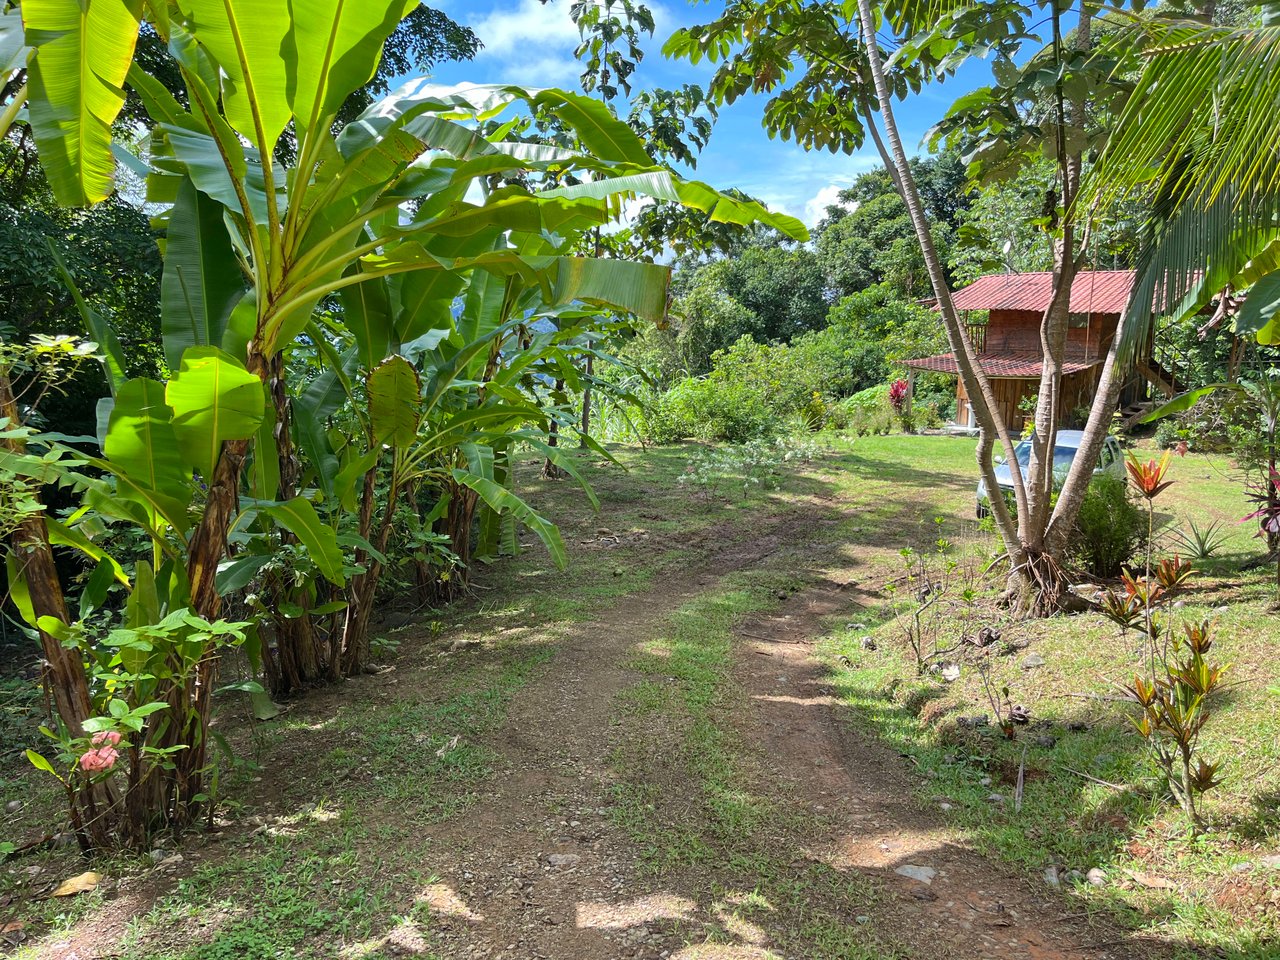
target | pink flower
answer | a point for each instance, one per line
(109, 737)
(99, 760)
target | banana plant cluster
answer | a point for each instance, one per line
(419, 260)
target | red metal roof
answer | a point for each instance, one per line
(1017, 366)
(1092, 291)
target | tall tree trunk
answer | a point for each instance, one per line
(1061, 523)
(1038, 588)
(981, 398)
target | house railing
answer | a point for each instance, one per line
(977, 336)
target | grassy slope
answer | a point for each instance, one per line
(1220, 893)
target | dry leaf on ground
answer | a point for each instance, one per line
(79, 884)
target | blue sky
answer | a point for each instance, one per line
(530, 43)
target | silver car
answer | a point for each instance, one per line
(1064, 453)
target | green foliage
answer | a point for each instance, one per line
(110, 251)
(1174, 705)
(752, 387)
(770, 293)
(1200, 541)
(710, 409)
(1008, 228)
(868, 238)
(1111, 529)
(135, 659)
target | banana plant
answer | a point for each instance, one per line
(253, 246)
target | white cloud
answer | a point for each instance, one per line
(524, 28)
(533, 41)
(815, 208)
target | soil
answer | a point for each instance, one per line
(537, 868)
(566, 885)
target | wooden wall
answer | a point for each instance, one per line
(1077, 391)
(1018, 331)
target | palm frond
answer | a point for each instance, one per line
(1204, 117)
(1190, 253)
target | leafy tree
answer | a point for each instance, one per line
(832, 85)
(869, 239)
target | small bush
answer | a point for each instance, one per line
(1110, 529)
(710, 409)
(756, 464)
(872, 398)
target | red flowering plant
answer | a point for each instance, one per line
(1149, 477)
(898, 391)
(1173, 699)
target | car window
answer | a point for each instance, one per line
(1062, 456)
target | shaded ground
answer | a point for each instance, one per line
(639, 757)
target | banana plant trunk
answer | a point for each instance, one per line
(458, 525)
(295, 663)
(191, 702)
(64, 676)
(549, 470)
(353, 655)
(586, 401)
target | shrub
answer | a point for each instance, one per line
(870, 399)
(1110, 529)
(710, 409)
(756, 464)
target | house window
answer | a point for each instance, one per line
(1078, 321)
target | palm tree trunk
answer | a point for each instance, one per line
(991, 427)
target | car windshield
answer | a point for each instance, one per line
(1062, 456)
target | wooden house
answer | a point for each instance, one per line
(1003, 314)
